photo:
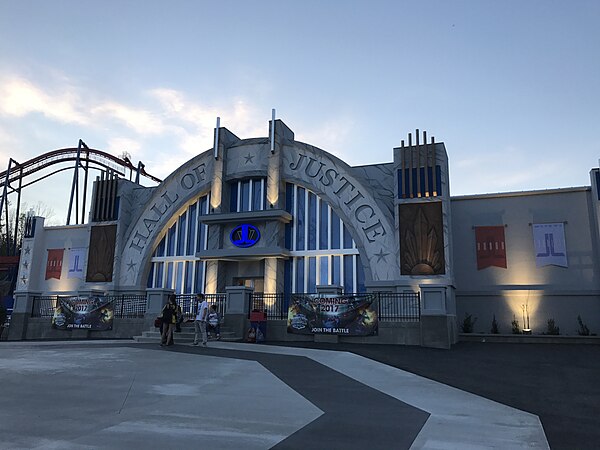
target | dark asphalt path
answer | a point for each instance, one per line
(558, 382)
(352, 410)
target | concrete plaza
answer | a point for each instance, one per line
(118, 394)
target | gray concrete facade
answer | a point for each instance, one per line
(369, 201)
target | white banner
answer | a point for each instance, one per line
(76, 259)
(550, 245)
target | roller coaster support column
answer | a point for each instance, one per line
(85, 180)
(5, 190)
(75, 186)
(140, 168)
(14, 252)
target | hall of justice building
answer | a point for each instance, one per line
(251, 222)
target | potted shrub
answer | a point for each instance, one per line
(468, 323)
(3, 316)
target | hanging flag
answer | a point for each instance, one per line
(550, 245)
(491, 250)
(76, 256)
(54, 265)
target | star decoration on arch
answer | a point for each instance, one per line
(381, 255)
(27, 250)
(24, 280)
(131, 265)
(249, 157)
(26, 265)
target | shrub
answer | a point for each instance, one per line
(3, 315)
(494, 329)
(552, 328)
(515, 326)
(583, 329)
(468, 323)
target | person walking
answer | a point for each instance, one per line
(179, 320)
(200, 322)
(169, 316)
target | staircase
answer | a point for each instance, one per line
(186, 336)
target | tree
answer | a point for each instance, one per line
(7, 236)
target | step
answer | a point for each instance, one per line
(156, 340)
(185, 336)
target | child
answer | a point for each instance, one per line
(214, 322)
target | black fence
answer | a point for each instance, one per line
(399, 306)
(391, 306)
(43, 306)
(130, 306)
(275, 305)
(124, 306)
(189, 305)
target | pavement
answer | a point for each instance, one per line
(125, 395)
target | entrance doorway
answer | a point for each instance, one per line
(257, 283)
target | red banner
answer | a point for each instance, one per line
(54, 265)
(491, 250)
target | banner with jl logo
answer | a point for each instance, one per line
(550, 245)
(76, 259)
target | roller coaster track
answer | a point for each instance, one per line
(91, 156)
(83, 157)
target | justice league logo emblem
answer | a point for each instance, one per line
(244, 236)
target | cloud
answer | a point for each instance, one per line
(138, 120)
(500, 171)
(7, 145)
(164, 130)
(199, 119)
(176, 105)
(20, 97)
(118, 145)
(332, 135)
(193, 122)
(170, 113)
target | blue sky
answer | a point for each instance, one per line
(511, 87)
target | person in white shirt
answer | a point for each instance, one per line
(214, 322)
(200, 322)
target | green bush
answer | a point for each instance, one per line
(494, 329)
(552, 329)
(3, 315)
(583, 329)
(468, 323)
(515, 326)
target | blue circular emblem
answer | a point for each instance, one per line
(244, 236)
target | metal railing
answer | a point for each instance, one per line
(275, 305)
(124, 306)
(189, 305)
(399, 306)
(43, 306)
(6, 323)
(391, 306)
(130, 306)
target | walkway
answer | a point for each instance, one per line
(117, 394)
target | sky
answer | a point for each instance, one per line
(510, 87)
